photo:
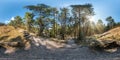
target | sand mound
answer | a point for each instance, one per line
(11, 38)
(108, 40)
(113, 34)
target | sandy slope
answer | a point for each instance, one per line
(113, 34)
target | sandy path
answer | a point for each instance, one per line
(42, 53)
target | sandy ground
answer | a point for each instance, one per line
(42, 53)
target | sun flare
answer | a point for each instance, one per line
(91, 18)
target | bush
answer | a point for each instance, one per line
(2, 24)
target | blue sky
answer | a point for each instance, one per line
(102, 8)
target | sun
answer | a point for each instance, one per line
(91, 18)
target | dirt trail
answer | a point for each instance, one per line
(41, 52)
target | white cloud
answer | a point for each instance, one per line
(7, 21)
(12, 18)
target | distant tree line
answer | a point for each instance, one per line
(2, 24)
(44, 20)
